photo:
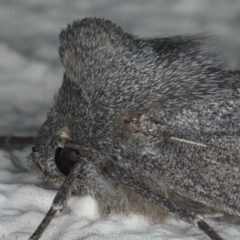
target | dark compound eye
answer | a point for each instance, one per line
(65, 159)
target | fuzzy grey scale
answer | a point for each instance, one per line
(165, 110)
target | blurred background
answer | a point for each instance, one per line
(30, 70)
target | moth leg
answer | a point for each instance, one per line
(180, 212)
(60, 200)
(207, 229)
(16, 140)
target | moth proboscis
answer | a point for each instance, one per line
(150, 125)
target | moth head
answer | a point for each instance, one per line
(54, 154)
(67, 134)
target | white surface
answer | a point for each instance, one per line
(30, 73)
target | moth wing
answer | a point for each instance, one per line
(192, 151)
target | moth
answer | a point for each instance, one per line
(144, 125)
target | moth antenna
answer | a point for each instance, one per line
(45, 222)
(12, 140)
(60, 200)
(176, 210)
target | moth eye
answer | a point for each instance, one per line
(65, 159)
